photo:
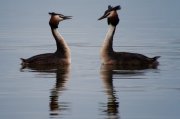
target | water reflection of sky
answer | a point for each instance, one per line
(57, 108)
(149, 27)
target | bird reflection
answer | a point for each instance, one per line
(107, 72)
(112, 105)
(62, 74)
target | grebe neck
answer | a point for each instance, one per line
(62, 47)
(108, 42)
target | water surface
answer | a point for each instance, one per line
(86, 89)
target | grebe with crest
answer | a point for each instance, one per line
(109, 56)
(62, 56)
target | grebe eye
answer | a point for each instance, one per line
(107, 14)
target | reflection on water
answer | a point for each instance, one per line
(107, 72)
(112, 105)
(57, 108)
(146, 27)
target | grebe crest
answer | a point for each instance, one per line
(111, 15)
(56, 18)
(62, 56)
(107, 54)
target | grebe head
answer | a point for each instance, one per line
(111, 15)
(56, 18)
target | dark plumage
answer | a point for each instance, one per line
(48, 58)
(125, 58)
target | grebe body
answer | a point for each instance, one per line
(109, 56)
(62, 56)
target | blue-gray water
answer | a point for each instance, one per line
(85, 89)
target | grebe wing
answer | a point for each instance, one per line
(126, 56)
(40, 57)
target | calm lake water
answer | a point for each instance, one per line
(86, 89)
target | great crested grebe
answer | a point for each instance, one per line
(62, 55)
(107, 54)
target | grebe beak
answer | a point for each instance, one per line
(66, 17)
(102, 17)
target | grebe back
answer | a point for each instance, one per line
(109, 56)
(62, 55)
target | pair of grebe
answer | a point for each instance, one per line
(62, 56)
